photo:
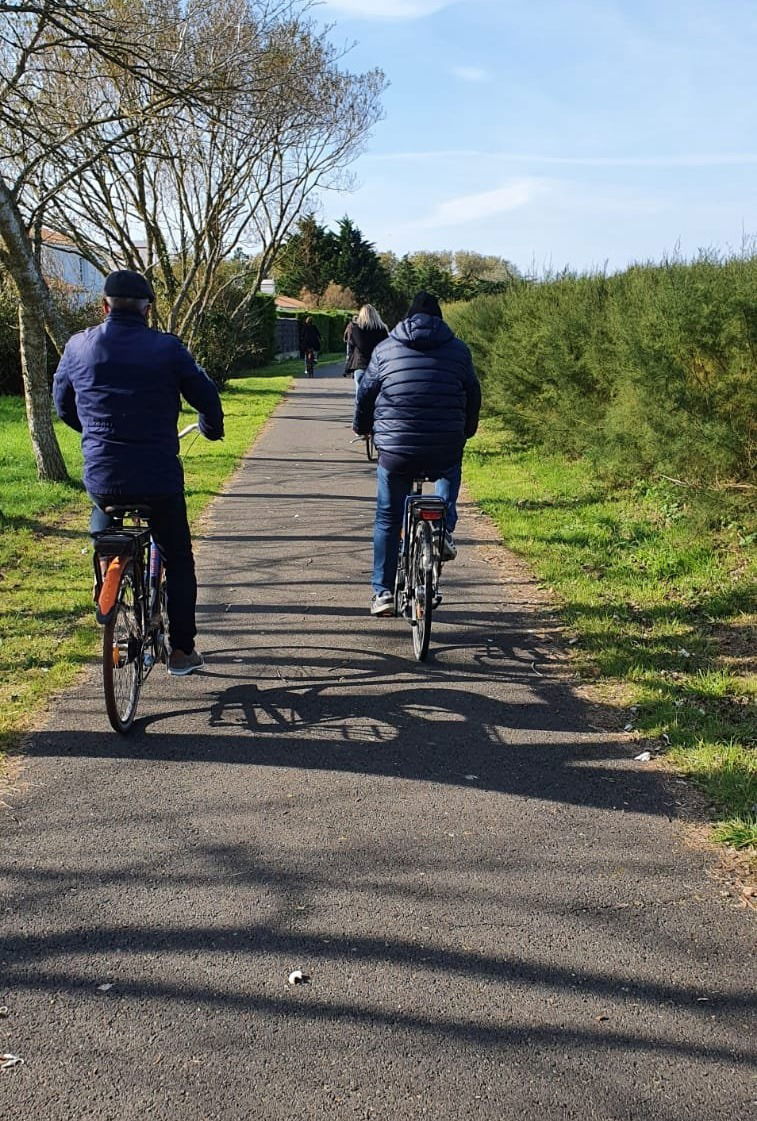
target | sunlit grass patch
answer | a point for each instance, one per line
(658, 588)
(47, 627)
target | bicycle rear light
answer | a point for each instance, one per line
(431, 515)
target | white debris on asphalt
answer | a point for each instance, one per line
(104, 988)
(628, 728)
(7, 1062)
(644, 757)
(297, 977)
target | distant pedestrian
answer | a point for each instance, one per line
(363, 334)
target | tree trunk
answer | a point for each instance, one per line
(36, 312)
(39, 413)
(18, 258)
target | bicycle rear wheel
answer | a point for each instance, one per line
(422, 586)
(122, 653)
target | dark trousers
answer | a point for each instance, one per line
(170, 531)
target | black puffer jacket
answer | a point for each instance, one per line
(363, 342)
(419, 396)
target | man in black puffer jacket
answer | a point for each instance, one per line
(421, 399)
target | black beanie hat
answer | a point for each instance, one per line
(425, 304)
(129, 285)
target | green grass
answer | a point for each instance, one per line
(47, 628)
(659, 592)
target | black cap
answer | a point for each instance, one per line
(130, 285)
(425, 304)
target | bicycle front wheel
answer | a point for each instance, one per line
(123, 640)
(422, 585)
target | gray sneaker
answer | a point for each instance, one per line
(180, 664)
(449, 548)
(383, 604)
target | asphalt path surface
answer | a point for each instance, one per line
(497, 911)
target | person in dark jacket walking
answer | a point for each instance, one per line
(421, 399)
(363, 335)
(120, 385)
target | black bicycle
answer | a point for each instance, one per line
(416, 590)
(130, 598)
(310, 361)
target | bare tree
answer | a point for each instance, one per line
(182, 192)
(56, 55)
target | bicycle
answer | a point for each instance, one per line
(310, 361)
(130, 598)
(416, 589)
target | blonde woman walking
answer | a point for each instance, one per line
(365, 332)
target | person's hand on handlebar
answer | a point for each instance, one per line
(209, 431)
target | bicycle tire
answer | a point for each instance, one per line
(370, 448)
(422, 584)
(123, 640)
(160, 633)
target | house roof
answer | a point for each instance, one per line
(288, 303)
(51, 237)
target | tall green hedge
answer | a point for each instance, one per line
(652, 369)
(330, 324)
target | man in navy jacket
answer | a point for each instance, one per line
(421, 399)
(120, 385)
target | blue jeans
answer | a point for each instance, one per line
(393, 488)
(170, 531)
(357, 374)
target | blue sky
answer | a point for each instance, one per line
(556, 132)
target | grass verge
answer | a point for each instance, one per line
(657, 585)
(47, 627)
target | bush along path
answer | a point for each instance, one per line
(657, 588)
(47, 627)
(495, 911)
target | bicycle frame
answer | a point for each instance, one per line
(117, 545)
(419, 565)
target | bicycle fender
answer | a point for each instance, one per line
(106, 601)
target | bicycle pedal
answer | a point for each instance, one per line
(437, 599)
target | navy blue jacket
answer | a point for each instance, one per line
(419, 396)
(120, 385)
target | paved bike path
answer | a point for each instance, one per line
(498, 917)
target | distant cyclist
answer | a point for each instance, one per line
(421, 398)
(310, 343)
(363, 334)
(120, 385)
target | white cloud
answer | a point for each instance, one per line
(703, 159)
(471, 73)
(388, 9)
(472, 208)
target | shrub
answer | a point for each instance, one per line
(226, 343)
(650, 370)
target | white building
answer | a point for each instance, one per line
(63, 264)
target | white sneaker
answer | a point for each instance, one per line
(383, 604)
